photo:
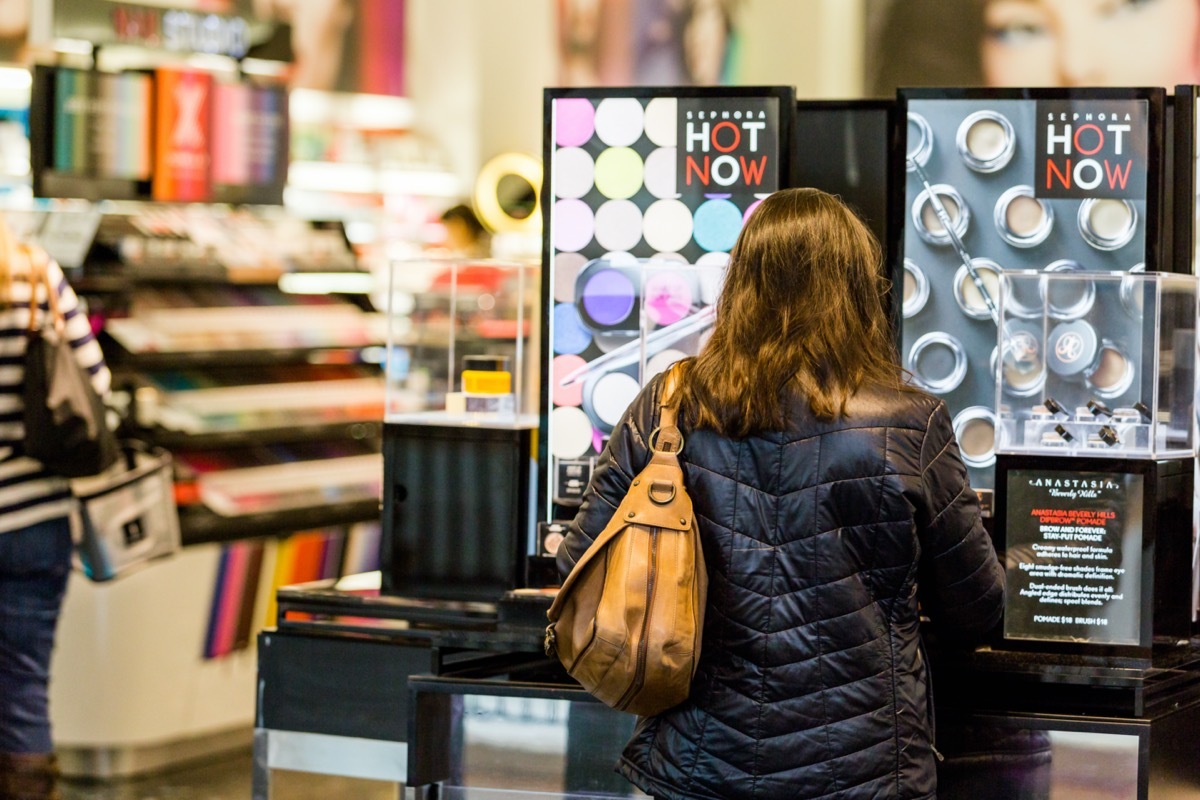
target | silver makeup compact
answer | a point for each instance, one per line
(920, 140)
(938, 362)
(967, 294)
(916, 289)
(1133, 292)
(1074, 350)
(1022, 219)
(1068, 298)
(1106, 223)
(986, 141)
(927, 222)
(1022, 368)
(975, 429)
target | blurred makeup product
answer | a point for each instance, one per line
(1068, 298)
(916, 289)
(986, 141)
(966, 292)
(938, 362)
(1133, 292)
(1111, 373)
(1023, 298)
(1022, 363)
(975, 429)
(925, 218)
(920, 140)
(1071, 348)
(1107, 224)
(611, 296)
(1021, 219)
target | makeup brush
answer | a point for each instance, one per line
(944, 217)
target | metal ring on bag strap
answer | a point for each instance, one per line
(654, 446)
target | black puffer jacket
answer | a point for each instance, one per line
(811, 683)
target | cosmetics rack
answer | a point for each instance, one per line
(271, 402)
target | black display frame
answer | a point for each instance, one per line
(867, 106)
(1161, 613)
(1153, 254)
(1155, 151)
(786, 96)
(1184, 129)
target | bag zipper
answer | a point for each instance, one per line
(639, 675)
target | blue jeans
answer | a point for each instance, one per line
(34, 565)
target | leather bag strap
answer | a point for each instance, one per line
(669, 434)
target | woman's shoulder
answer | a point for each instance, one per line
(908, 407)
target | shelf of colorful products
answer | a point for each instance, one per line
(460, 345)
(247, 405)
(271, 401)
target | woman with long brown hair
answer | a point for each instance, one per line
(35, 535)
(823, 487)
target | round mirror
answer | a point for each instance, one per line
(507, 193)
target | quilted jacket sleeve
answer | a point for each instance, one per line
(957, 555)
(625, 455)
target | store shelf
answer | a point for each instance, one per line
(172, 440)
(199, 525)
(246, 357)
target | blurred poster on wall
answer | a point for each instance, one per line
(1031, 43)
(338, 45)
(647, 42)
(14, 29)
(183, 135)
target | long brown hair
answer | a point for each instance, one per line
(802, 309)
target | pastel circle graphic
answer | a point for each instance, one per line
(561, 367)
(566, 269)
(571, 336)
(609, 297)
(668, 297)
(668, 225)
(660, 361)
(661, 116)
(619, 173)
(750, 210)
(619, 121)
(571, 170)
(612, 395)
(660, 172)
(573, 225)
(572, 432)
(674, 258)
(618, 225)
(574, 121)
(718, 223)
(621, 258)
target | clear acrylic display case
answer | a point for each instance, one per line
(1097, 364)
(462, 341)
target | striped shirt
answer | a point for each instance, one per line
(28, 493)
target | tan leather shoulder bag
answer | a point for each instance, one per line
(627, 622)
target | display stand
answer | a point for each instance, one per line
(360, 683)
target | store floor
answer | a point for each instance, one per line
(228, 779)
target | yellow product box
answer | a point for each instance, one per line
(476, 381)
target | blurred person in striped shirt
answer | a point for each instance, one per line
(35, 533)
